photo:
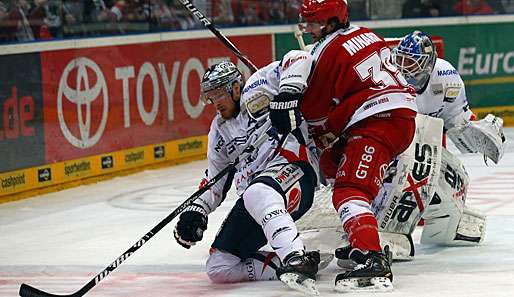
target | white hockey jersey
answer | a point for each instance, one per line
(228, 138)
(445, 96)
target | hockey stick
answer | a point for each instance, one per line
(29, 291)
(205, 21)
(299, 37)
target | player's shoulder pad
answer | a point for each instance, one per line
(446, 81)
(262, 77)
(445, 70)
(257, 105)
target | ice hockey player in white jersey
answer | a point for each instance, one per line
(441, 94)
(275, 185)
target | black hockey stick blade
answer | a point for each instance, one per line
(29, 291)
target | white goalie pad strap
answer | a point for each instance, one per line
(471, 228)
(455, 230)
(411, 180)
(484, 136)
(400, 245)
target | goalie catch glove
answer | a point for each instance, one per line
(484, 136)
(191, 225)
(285, 112)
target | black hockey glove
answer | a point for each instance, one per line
(285, 112)
(191, 225)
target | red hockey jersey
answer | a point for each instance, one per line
(353, 79)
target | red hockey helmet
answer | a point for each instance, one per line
(317, 11)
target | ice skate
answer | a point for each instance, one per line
(343, 258)
(371, 274)
(299, 272)
(344, 261)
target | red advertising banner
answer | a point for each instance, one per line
(103, 99)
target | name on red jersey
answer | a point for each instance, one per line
(355, 44)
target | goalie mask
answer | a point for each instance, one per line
(415, 57)
(218, 79)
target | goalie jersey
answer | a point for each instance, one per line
(444, 96)
(228, 138)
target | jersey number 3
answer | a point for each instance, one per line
(379, 69)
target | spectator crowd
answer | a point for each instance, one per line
(27, 20)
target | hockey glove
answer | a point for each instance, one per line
(484, 136)
(323, 136)
(285, 112)
(191, 225)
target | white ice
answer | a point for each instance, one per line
(58, 242)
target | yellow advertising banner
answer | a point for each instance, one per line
(18, 184)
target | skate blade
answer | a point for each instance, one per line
(374, 284)
(325, 259)
(300, 283)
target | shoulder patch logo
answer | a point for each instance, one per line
(437, 89)
(257, 105)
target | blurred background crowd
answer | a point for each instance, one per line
(28, 20)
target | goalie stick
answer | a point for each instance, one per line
(29, 291)
(207, 23)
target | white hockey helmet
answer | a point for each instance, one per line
(218, 76)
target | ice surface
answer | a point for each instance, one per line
(58, 242)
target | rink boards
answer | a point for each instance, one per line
(28, 182)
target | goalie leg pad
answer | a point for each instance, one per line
(471, 228)
(401, 246)
(455, 230)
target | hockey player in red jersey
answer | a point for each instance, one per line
(361, 111)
